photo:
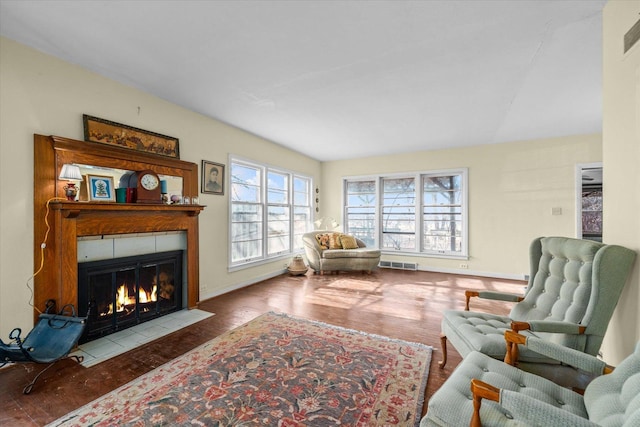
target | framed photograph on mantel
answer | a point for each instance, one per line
(107, 132)
(100, 188)
(212, 178)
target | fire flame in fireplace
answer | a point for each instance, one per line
(124, 299)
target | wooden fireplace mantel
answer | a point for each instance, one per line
(75, 209)
(69, 220)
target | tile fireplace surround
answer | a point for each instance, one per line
(105, 348)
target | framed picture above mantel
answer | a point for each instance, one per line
(112, 133)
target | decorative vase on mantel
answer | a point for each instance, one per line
(297, 266)
(70, 190)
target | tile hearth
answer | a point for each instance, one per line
(112, 345)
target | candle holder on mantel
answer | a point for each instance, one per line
(297, 266)
(163, 191)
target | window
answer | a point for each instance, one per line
(278, 213)
(263, 200)
(301, 209)
(398, 214)
(442, 219)
(246, 213)
(360, 210)
(423, 213)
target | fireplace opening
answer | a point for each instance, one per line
(124, 292)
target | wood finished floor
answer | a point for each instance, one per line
(399, 304)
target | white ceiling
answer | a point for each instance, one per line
(344, 79)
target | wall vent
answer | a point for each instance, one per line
(632, 36)
(399, 265)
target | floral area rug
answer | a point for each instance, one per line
(276, 370)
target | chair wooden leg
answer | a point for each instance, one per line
(475, 418)
(443, 343)
(515, 354)
(508, 357)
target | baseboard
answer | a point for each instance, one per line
(466, 272)
(241, 285)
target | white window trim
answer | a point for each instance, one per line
(265, 169)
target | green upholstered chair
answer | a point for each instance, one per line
(572, 292)
(485, 391)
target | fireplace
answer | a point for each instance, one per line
(70, 221)
(124, 292)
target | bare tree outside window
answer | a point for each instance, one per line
(421, 213)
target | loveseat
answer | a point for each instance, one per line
(332, 251)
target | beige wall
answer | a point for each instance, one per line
(41, 94)
(621, 159)
(513, 186)
(512, 189)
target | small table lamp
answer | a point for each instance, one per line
(70, 173)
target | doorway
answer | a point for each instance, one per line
(589, 201)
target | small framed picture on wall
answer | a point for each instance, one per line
(212, 178)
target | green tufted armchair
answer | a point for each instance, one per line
(484, 391)
(572, 292)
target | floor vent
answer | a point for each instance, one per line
(399, 265)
